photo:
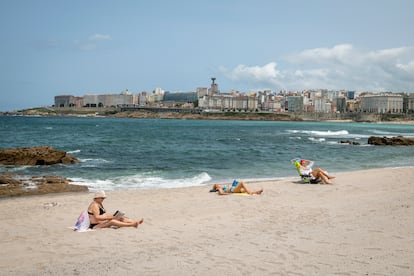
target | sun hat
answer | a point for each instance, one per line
(100, 194)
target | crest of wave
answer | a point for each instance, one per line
(142, 181)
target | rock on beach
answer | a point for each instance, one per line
(391, 141)
(42, 155)
(12, 184)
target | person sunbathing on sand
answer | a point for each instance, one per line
(306, 169)
(236, 187)
(100, 219)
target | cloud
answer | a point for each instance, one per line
(91, 43)
(340, 67)
(265, 73)
(338, 54)
(99, 37)
(88, 44)
(409, 68)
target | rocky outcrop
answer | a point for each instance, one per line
(43, 155)
(391, 141)
(349, 142)
(12, 185)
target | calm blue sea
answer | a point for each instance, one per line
(121, 153)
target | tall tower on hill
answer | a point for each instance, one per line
(214, 86)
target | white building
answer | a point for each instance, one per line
(321, 105)
(108, 100)
(226, 101)
(383, 103)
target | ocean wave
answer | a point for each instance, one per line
(358, 136)
(142, 181)
(74, 151)
(335, 143)
(228, 139)
(317, 139)
(391, 134)
(329, 133)
(93, 160)
(321, 132)
(15, 169)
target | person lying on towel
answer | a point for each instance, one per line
(235, 187)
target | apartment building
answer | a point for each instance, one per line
(295, 103)
(382, 103)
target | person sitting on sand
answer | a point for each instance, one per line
(306, 169)
(236, 187)
(100, 219)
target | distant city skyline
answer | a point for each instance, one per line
(77, 47)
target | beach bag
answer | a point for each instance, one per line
(82, 223)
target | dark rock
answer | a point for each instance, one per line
(43, 155)
(391, 141)
(12, 185)
(349, 142)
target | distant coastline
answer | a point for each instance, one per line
(252, 116)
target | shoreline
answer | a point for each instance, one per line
(249, 116)
(362, 224)
(81, 187)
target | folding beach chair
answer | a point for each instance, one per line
(306, 178)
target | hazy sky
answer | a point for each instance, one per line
(77, 47)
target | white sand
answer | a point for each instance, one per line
(361, 225)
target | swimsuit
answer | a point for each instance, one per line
(224, 187)
(92, 225)
(306, 170)
(101, 212)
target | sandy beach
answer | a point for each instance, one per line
(361, 225)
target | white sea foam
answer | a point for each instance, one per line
(335, 143)
(358, 136)
(392, 134)
(321, 132)
(17, 169)
(141, 181)
(316, 139)
(93, 160)
(74, 151)
(94, 184)
(329, 133)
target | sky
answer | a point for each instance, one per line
(78, 47)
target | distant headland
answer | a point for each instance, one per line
(211, 104)
(195, 114)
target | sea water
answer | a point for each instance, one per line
(123, 153)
